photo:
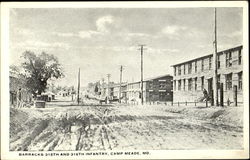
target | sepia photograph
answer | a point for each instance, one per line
(128, 80)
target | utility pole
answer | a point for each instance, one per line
(141, 49)
(215, 62)
(121, 69)
(78, 89)
(108, 75)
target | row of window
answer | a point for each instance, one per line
(228, 63)
(161, 84)
(192, 83)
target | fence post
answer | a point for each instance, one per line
(186, 102)
(194, 103)
(228, 102)
(235, 95)
(221, 95)
(212, 97)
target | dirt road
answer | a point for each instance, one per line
(118, 127)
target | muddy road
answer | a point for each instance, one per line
(116, 127)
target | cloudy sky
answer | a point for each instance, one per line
(99, 40)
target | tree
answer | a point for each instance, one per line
(39, 69)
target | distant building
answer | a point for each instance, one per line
(48, 96)
(63, 93)
(157, 89)
(191, 77)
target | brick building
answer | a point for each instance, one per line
(157, 89)
(191, 77)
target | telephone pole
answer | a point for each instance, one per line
(78, 88)
(108, 75)
(120, 90)
(215, 61)
(141, 49)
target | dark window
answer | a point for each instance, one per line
(189, 68)
(202, 83)
(229, 81)
(229, 59)
(195, 66)
(218, 61)
(179, 85)
(175, 85)
(162, 96)
(150, 84)
(190, 84)
(202, 65)
(184, 69)
(210, 62)
(162, 84)
(184, 84)
(195, 83)
(179, 70)
(239, 58)
(240, 81)
(175, 71)
(218, 80)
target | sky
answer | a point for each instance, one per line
(99, 40)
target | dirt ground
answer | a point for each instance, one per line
(63, 126)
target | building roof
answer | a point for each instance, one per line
(206, 56)
(152, 78)
(48, 93)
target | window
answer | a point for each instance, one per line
(162, 84)
(202, 83)
(218, 61)
(229, 59)
(229, 81)
(190, 84)
(240, 81)
(179, 70)
(175, 85)
(174, 71)
(184, 69)
(239, 57)
(195, 66)
(179, 85)
(150, 84)
(218, 80)
(202, 65)
(195, 83)
(184, 84)
(210, 62)
(189, 68)
(162, 96)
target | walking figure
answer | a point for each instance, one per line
(205, 94)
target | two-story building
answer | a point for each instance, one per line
(157, 89)
(191, 77)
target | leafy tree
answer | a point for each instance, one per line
(39, 69)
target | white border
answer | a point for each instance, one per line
(154, 154)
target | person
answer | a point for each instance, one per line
(205, 94)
